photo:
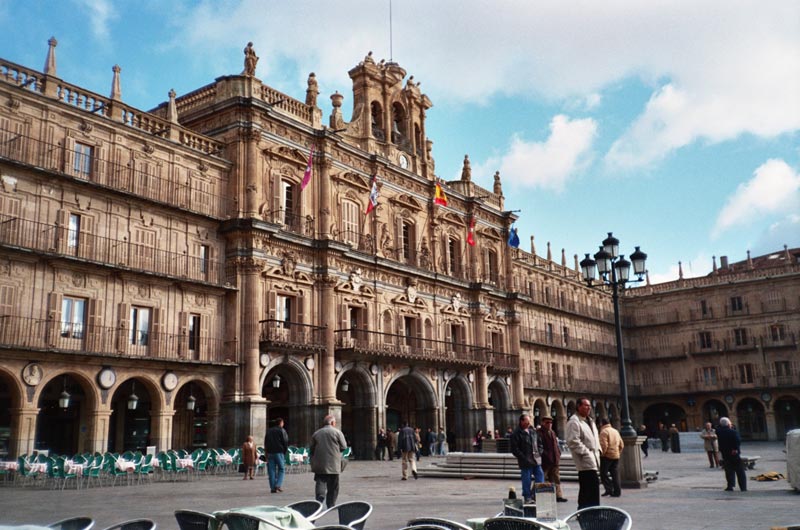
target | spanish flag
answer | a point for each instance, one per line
(438, 196)
(471, 233)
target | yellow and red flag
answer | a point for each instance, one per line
(438, 196)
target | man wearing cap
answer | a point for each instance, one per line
(551, 455)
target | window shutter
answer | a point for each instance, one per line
(69, 156)
(157, 338)
(300, 317)
(95, 334)
(53, 317)
(86, 237)
(6, 300)
(99, 164)
(213, 274)
(271, 305)
(277, 198)
(62, 229)
(123, 325)
(183, 333)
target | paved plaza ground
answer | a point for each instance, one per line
(687, 495)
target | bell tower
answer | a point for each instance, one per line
(389, 118)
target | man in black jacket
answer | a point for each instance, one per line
(407, 443)
(276, 444)
(526, 446)
(729, 447)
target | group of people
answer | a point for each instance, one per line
(388, 442)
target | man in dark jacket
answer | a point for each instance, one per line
(525, 445)
(551, 455)
(407, 444)
(276, 444)
(729, 447)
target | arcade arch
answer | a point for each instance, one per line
(500, 400)
(751, 419)
(287, 385)
(457, 403)
(356, 391)
(787, 415)
(666, 413)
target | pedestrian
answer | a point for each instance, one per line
(663, 435)
(430, 440)
(391, 444)
(249, 456)
(276, 443)
(527, 447)
(407, 444)
(730, 449)
(327, 444)
(418, 444)
(477, 441)
(709, 436)
(584, 444)
(643, 432)
(551, 456)
(611, 445)
(674, 439)
(441, 441)
(380, 447)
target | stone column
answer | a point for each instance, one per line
(327, 393)
(250, 313)
(772, 426)
(251, 173)
(99, 427)
(631, 474)
(23, 430)
(161, 429)
(518, 392)
(324, 220)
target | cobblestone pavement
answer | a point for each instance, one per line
(687, 495)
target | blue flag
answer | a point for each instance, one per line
(513, 238)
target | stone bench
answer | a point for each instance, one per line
(749, 462)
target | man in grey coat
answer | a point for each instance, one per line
(326, 449)
(584, 444)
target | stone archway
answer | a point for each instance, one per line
(559, 414)
(410, 398)
(196, 410)
(713, 410)
(500, 400)
(58, 429)
(458, 403)
(787, 415)
(356, 391)
(666, 413)
(751, 419)
(131, 427)
(286, 386)
(540, 410)
(10, 400)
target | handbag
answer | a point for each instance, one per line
(242, 468)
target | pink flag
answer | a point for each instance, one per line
(307, 174)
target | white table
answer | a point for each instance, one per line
(279, 516)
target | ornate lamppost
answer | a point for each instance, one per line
(614, 270)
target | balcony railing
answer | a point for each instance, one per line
(504, 362)
(375, 343)
(281, 334)
(570, 343)
(292, 222)
(38, 334)
(359, 241)
(189, 194)
(59, 240)
(570, 384)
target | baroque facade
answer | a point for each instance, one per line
(170, 274)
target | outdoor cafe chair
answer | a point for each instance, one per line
(73, 523)
(514, 523)
(307, 509)
(438, 521)
(242, 521)
(425, 527)
(353, 514)
(192, 520)
(133, 524)
(600, 518)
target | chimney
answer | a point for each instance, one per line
(723, 262)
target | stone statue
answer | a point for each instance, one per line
(498, 187)
(386, 239)
(250, 60)
(312, 91)
(425, 255)
(466, 171)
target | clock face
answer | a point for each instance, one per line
(403, 161)
(32, 374)
(170, 381)
(106, 378)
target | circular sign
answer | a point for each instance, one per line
(106, 378)
(263, 359)
(403, 161)
(170, 381)
(729, 399)
(32, 374)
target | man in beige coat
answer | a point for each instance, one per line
(326, 449)
(583, 443)
(611, 445)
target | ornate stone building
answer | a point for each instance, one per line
(173, 278)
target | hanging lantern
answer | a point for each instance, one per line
(133, 399)
(276, 381)
(63, 399)
(345, 385)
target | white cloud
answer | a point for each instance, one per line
(718, 69)
(773, 190)
(549, 164)
(101, 12)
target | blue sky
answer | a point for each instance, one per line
(672, 123)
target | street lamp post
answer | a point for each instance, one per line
(615, 271)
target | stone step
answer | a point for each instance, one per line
(488, 465)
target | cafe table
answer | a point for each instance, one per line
(279, 516)
(476, 523)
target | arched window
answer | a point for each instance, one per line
(377, 121)
(399, 125)
(454, 257)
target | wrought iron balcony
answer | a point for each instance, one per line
(59, 240)
(544, 338)
(188, 194)
(90, 339)
(388, 345)
(292, 222)
(291, 336)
